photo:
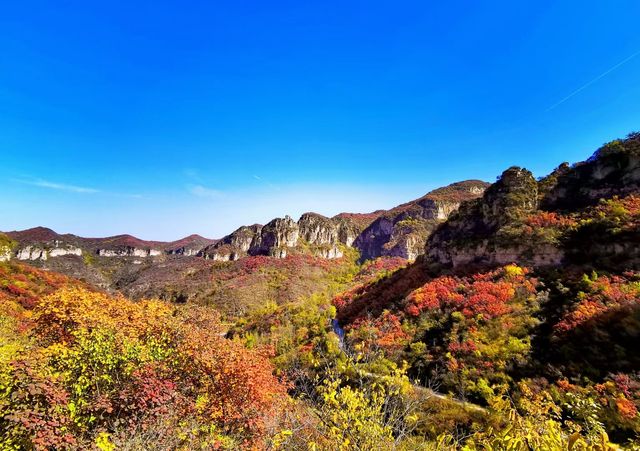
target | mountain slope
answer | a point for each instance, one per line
(403, 230)
(585, 210)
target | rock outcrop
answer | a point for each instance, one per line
(41, 244)
(277, 237)
(189, 246)
(127, 251)
(312, 233)
(614, 169)
(45, 251)
(496, 229)
(472, 234)
(235, 245)
(403, 230)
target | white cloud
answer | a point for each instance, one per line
(48, 184)
(58, 186)
(202, 191)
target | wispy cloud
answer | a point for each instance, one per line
(266, 182)
(48, 184)
(57, 186)
(203, 191)
(192, 174)
(589, 83)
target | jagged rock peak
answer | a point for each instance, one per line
(235, 245)
(512, 197)
(317, 229)
(276, 236)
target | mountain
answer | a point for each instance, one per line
(578, 214)
(580, 217)
(312, 233)
(104, 262)
(188, 269)
(403, 230)
(399, 232)
(41, 243)
(517, 327)
(528, 295)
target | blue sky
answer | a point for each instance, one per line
(162, 119)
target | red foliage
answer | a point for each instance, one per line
(547, 219)
(32, 396)
(485, 294)
(604, 295)
(385, 332)
(25, 284)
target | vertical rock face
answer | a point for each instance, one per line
(348, 231)
(317, 229)
(472, 233)
(44, 252)
(403, 231)
(234, 246)
(31, 253)
(276, 236)
(312, 233)
(126, 251)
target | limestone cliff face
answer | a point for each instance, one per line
(44, 252)
(403, 231)
(317, 229)
(472, 234)
(235, 245)
(312, 233)
(128, 251)
(276, 237)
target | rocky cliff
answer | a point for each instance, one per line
(476, 232)
(312, 233)
(575, 215)
(41, 244)
(403, 230)
(613, 170)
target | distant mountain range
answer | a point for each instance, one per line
(400, 231)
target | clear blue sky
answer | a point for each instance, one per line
(163, 119)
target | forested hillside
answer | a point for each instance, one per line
(517, 328)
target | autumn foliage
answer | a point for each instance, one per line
(84, 366)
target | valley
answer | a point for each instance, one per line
(479, 316)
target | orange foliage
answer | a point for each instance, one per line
(485, 294)
(605, 294)
(106, 363)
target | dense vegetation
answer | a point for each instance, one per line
(80, 367)
(458, 350)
